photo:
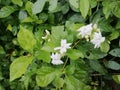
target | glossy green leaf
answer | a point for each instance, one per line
(70, 69)
(74, 54)
(105, 47)
(71, 83)
(43, 55)
(108, 7)
(28, 7)
(19, 66)
(22, 15)
(18, 2)
(6, 11)
(38, 6)
(52, 5)
(113, 65)
(45, 75)
(26, 39)
(58, 32)
(74, 4)
(84, 7)
(115, 52)
(116, 10)
(58, 82)
(114, 35)
(93, 3)
(9, 27)
(116, 78)
(95, 65)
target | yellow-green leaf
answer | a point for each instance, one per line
(84, 7)
(19, 66)
(26, 39)
(18, 2)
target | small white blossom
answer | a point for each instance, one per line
(97, 39)
(85, 31)
(47, 34)
(64, 46)
(56, 59)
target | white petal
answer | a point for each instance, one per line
(57, 48)
(57, 62)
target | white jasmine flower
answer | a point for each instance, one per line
(56, 59)
(85, 31)
(64, 46)
(47, 34)
(97, 39)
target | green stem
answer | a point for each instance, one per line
(65, 64)
(67, 57)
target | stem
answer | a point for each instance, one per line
(65, 64)
(67, 57)
(76, 43)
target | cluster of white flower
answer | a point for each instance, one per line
(62, 49)
(90, 32)
(86, 32)
(97, 39)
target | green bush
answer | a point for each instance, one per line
(59, 44)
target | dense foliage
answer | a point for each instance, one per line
(43, 45)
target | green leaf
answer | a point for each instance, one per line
(76, 18)
(2, 52)
(18, 2)
(113, 65)
(72, 83)
(26, 39)
(116, 78)
(93, 3)
(74, 54)
(6, 11)
(105, 47)
(28, 7)
(58, 32)
(38, 6)
(1, 87)
(116, 10)
(28, 19)
(105, 25)
(74, 4)
(45, 75)
(114, 35)
(52, 5)
(95, 65)
(19, 66)
(84, 7)
(43, 55)
(108, 7)
(58, 82)
(70, 69)
(22, 15)
(9, 27)
(115, 52)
